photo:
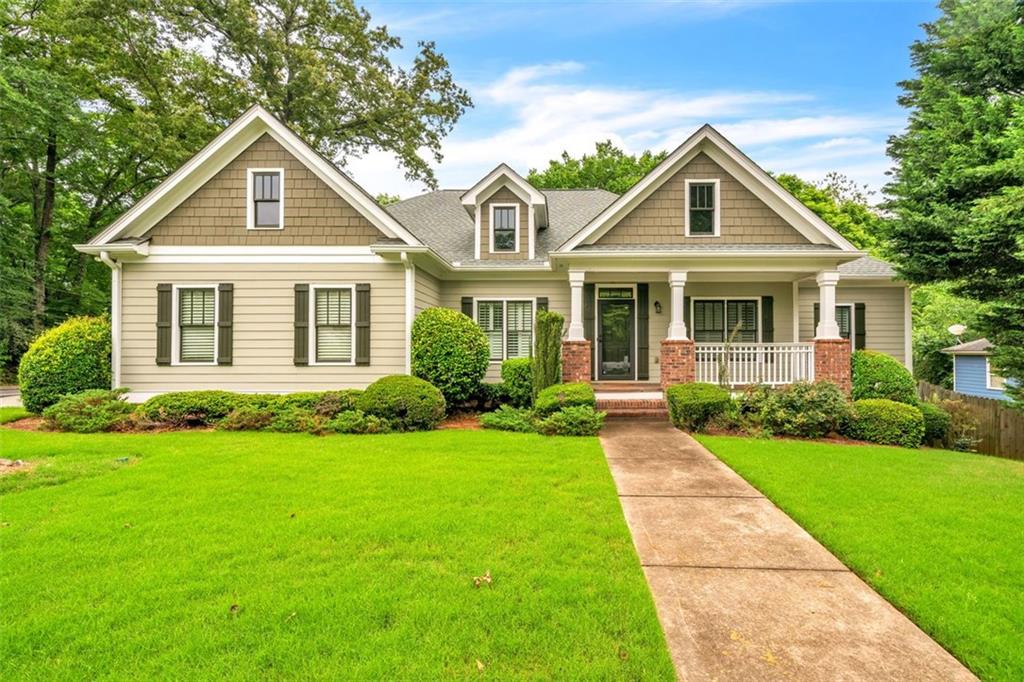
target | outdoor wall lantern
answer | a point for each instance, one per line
(657, 307)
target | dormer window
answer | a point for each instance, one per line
(702, 208)
(265, 198)
(504, 228)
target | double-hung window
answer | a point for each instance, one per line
(714, 321)
(701, 208)
(332, 315)
(266, 203)
(508, 326)
(503, 228)
(197, 314)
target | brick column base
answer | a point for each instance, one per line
(832, 362)
(678, 364)
(576, 361)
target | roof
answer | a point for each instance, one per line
(867, 266)
(977, 347)
(439, 220)
(656, 248)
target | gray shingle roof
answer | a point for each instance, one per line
(704, 247)
(980, 346)
(867, 267)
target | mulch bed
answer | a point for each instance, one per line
(26, 424)
(465, 421)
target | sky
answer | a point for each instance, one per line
(802, 87)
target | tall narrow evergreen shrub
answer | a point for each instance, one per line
(547, 353)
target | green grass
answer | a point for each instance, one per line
(940, 534)
(9, 414)
(245, 556)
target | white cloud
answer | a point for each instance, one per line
(530, 114)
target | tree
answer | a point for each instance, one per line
(843, 205)
(958, 189)
(935, 309)
(607, 168)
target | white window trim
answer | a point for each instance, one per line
(176, 325)
(490, 228)
(597, 324)
(250, 206)
(504, 319)
(717, 212)
(988, 376)
(312, 324)
(692, 327)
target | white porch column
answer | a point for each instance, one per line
(576, 332)
(827, 327)
(677, 323)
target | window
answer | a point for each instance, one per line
(333, 321)
(844, 318)
(993, 381)
(197, 316)
(714, 321)
(504, 227)
(508, 326)
(701, 208)
(266, 204)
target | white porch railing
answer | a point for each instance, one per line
(754, 363)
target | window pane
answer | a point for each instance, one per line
(195, 306)
(708, 321)
(334, 344)
(843, 320)
(519, 316)
(489, 317)
(266, 186)
(744, 314)
(333, 306)
(702, 196)
(267, 213)
(504, 218)
(197, 344)
(702, 221)
(504, 240)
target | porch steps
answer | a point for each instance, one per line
(622, 399)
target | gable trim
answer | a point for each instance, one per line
(223, 149)
(502, 175)
(734, 162)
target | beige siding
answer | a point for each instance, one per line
(428, 290)
(504, 196)
(883, 310)
(745, 219)
(216, 213)
(263, 324)
(556, 291)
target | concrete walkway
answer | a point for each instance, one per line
(742, 592)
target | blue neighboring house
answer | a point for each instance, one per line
(972, 371)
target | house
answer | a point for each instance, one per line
(260, 266)
(972, 370)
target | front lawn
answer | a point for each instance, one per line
(256, 555)
(939, 534)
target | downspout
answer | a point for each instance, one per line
(115, 317)
(410, 307)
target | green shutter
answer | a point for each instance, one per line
(768, 319)
(643, 346)
(362, 324)
(817, 319)
(860, 326)
(589, 315)
(164, 305)
(686, 316)
(301, 324)
(467, 306)
(225, 329)
(542, 303)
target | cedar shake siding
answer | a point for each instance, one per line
(215, 215)
(659, 219)
(504, 196)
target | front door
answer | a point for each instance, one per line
(615, 339)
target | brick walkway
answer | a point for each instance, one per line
(742, 592)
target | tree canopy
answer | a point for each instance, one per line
(609, 167)
(958, 189)
(842, 204)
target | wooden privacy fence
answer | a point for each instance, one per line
(1000, 428)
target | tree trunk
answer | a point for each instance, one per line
(43, 231)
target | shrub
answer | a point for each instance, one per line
(576, 420)
(508, 418)
(191, 408)
(963, 427)
(89, 411)
(407, 403)
(357, 421)
(801, 409)
(450, 351)
(546, 363)
(936, 422)
(517, 381)
(559, 396)
(297, 420)
(887, 422)
(692, 406)
(877, 375)
(324, 403)
(70, 358)
(247, 418)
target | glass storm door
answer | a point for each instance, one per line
(615, 339)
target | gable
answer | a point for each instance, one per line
(215, 214)
(744, 218)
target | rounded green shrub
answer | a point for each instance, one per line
(887, 422)
(508, 418)
(877, 375)
(357, 421)
(806, 410)
(297, 420)
(191, 408)
(560, 396)
(90, 411)
(70, 358)
(450, 351)
(517, 381)
(575, 420)
(937, 422)
(324, 403)
(692, 406)
(407, 403)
